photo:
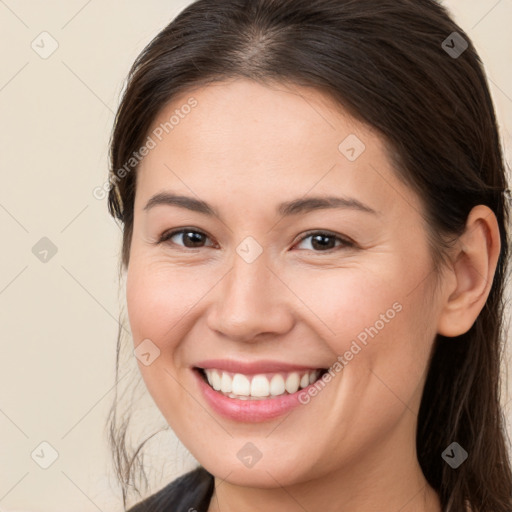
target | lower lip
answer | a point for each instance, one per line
(249, 410)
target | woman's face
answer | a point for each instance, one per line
(250, 283)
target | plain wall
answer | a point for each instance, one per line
(59, 317)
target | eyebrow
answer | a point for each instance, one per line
(284, 209)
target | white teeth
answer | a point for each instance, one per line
(226, 383)
(292, 382)
(277, 385)
(241, 385)
(260, 386)
(215, 382)
(238, 385)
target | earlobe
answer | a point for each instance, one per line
(472, 272)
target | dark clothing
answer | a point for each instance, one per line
(190, 492)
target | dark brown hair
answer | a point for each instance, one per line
(389, 64)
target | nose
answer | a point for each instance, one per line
(251, 301)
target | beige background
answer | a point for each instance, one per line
(59, 318)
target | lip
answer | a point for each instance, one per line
(249, 411)
(253, 367)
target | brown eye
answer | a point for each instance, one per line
(323, 241)
(191, 239)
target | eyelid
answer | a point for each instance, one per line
(166, 235)
(346, 241)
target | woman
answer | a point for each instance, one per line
(314, 211)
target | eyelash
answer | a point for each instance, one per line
(346, 243)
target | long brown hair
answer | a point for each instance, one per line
(397, 66)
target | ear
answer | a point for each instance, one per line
(471, 274)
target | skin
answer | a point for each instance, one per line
(244, 149)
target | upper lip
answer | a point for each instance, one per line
(252, 367)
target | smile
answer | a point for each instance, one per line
(260, 386)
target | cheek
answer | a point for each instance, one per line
(346, 301)
(374, 316)
(161, 300)
(159, 306)
(380, 337)
(144, 296)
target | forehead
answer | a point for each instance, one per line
(257, 140)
